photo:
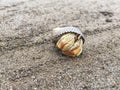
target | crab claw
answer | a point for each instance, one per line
(70, 40)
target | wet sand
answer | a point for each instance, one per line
(29, 59)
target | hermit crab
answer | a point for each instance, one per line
(69, 40)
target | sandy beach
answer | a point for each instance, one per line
(29, 59)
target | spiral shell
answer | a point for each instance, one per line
(59, 31)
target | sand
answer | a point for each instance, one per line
(29, 59)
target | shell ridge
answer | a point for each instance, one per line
(60, 31)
